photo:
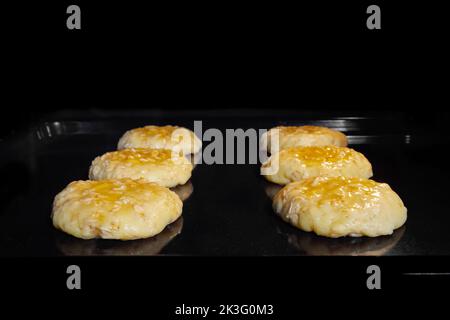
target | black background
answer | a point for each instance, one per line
(315, 55)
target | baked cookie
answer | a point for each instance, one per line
(122, 209)
(299, 163)
(161, 137)
(295, 136)
(339, 206)
(161, 166)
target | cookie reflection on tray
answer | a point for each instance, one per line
(271, 189)
(184, 191)
(194, 158)
(312, 244)
(71, 246)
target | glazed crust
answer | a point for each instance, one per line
(299, 163)
(295, 136)
(163, 167)
(122, 209)
(339, 206)
(161, 137)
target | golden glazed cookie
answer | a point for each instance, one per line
(161, 166)
(161, 137)
(295, 136)
(122, 209)
(338, 206)
(299, 163)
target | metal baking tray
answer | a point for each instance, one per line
(229, 212)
